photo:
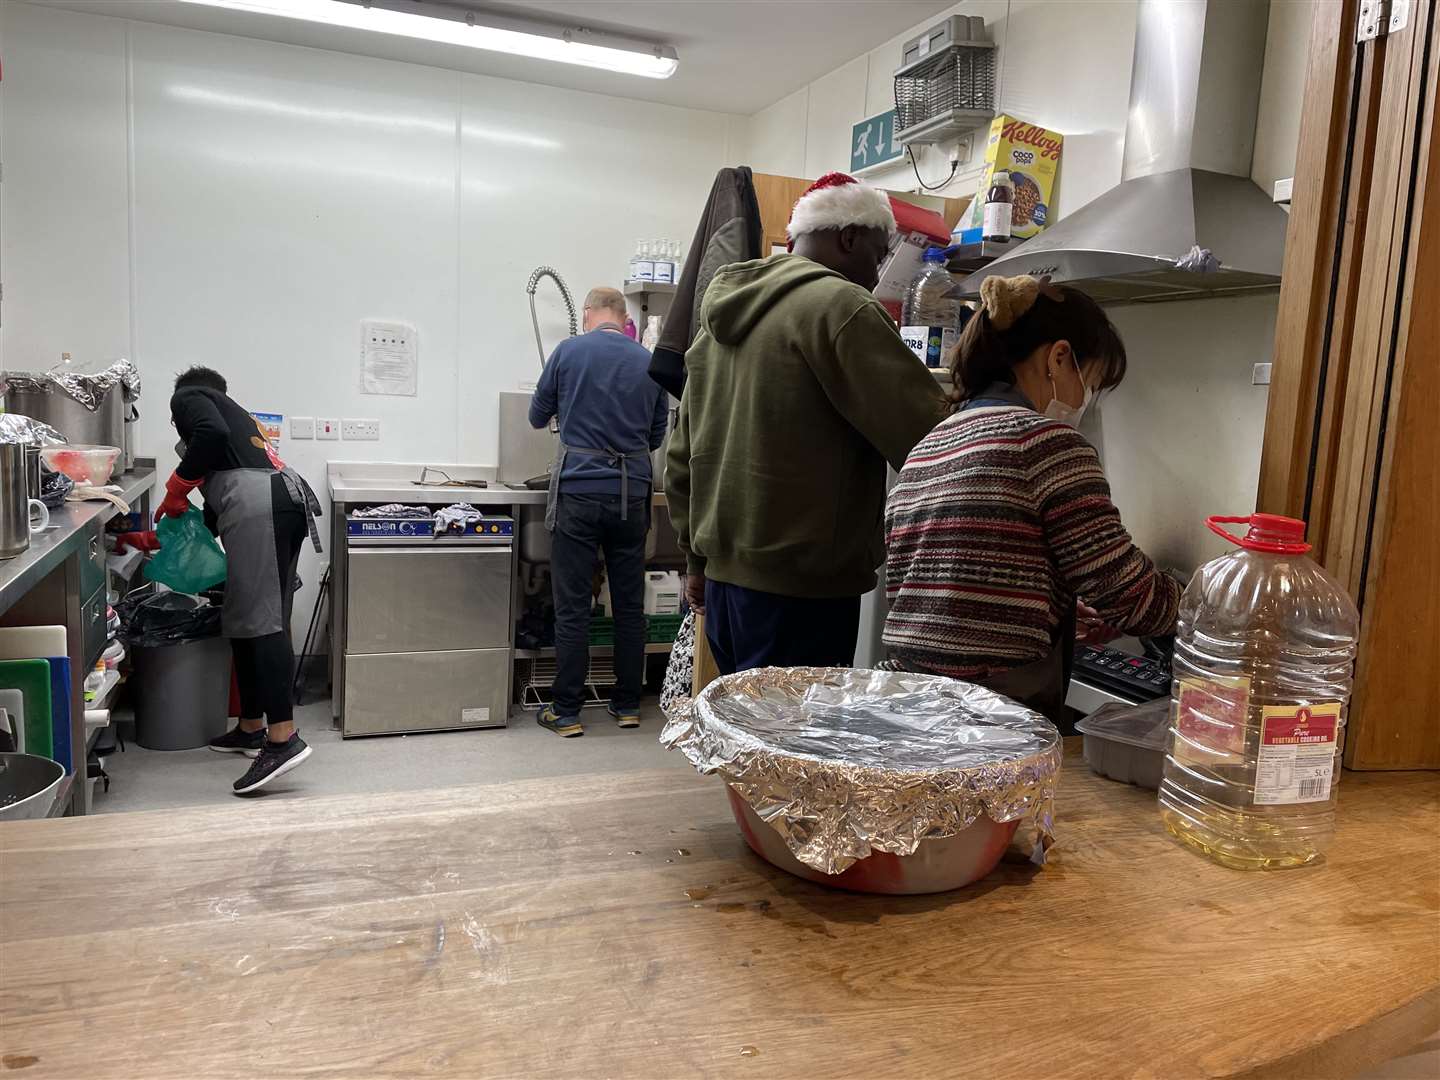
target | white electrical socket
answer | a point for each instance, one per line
(360, 430)
(302, 427)
(1260, 375)
(327, 429)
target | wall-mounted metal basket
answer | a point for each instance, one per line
(947, 84)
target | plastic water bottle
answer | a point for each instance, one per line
(1264, 655)
(664, 263)
(926, 306)
(644, 262)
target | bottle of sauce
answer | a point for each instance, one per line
(999, 208)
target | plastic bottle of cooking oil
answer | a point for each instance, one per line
(1264, 653)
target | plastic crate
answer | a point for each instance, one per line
(663, 628)
(602, 630)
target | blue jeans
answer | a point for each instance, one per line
(584, 525)
(747, 629)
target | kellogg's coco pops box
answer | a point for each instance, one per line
(1031, 155)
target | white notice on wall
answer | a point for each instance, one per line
(388, 358)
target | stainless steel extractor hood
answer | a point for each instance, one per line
(1186, 220)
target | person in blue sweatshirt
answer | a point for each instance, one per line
(612, 415)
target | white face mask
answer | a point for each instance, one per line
(1070, 414)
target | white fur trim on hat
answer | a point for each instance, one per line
(838, 203)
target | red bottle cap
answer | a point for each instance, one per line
(1267, 532)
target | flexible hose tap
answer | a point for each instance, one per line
(530, 287)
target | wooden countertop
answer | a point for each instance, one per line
(544, 929)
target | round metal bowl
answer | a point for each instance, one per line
(28, 786)
(938, 865)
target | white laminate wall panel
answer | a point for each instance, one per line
(777, 136)
(65, 194)
(1067, 67)
(282, 195)
(569, 180)
(1181, 436)
(1282, 92)
(837, 101)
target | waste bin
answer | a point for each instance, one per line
(181, 668)
(182, 693)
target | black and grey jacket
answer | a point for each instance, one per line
(729, 232)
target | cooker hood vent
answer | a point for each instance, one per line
(1186, 220)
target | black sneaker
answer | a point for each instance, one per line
(239, 741)
(276, 759)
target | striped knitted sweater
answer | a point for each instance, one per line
(1000, 519)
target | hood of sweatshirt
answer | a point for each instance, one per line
(740, 295)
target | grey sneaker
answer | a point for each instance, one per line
(566, 726)
(627, 718)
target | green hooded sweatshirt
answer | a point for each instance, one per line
(799, 390)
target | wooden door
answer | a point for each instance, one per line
(1350, 439)
(776, 196)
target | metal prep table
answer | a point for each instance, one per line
(60, 581)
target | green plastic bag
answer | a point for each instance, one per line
(189, 559)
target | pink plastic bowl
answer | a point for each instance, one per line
(83, 463)
(936, 865)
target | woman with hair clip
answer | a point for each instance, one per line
(1001, 523)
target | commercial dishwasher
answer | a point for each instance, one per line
(427, 626)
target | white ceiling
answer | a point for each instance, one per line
(736, 56)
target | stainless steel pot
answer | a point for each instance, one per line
(28, 786)
(132, 417)
(103, 427)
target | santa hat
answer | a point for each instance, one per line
(837, 200)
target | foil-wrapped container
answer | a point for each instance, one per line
(22, 429)
(843, 763)
(84, 387)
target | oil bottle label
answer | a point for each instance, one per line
(1297, 753)
(1210, 719)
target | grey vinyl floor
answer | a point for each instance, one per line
(143, 779)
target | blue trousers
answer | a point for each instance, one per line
(585, 525)
(749, 629)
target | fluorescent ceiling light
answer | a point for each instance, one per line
(457, 26)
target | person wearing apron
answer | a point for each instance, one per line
(1000, 527)
(262, 510)
(611, 417)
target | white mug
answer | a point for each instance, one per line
(36, 504)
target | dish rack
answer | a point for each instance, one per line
(536, 679)
(948, 90)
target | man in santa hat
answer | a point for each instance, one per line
(800, 391)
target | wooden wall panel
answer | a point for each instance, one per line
(1395, 713)
(1350, 441)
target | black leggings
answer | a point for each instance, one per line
(265, 666)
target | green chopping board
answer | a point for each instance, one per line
(32, 679)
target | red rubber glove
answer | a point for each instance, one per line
(177, 496)
(140, 541)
